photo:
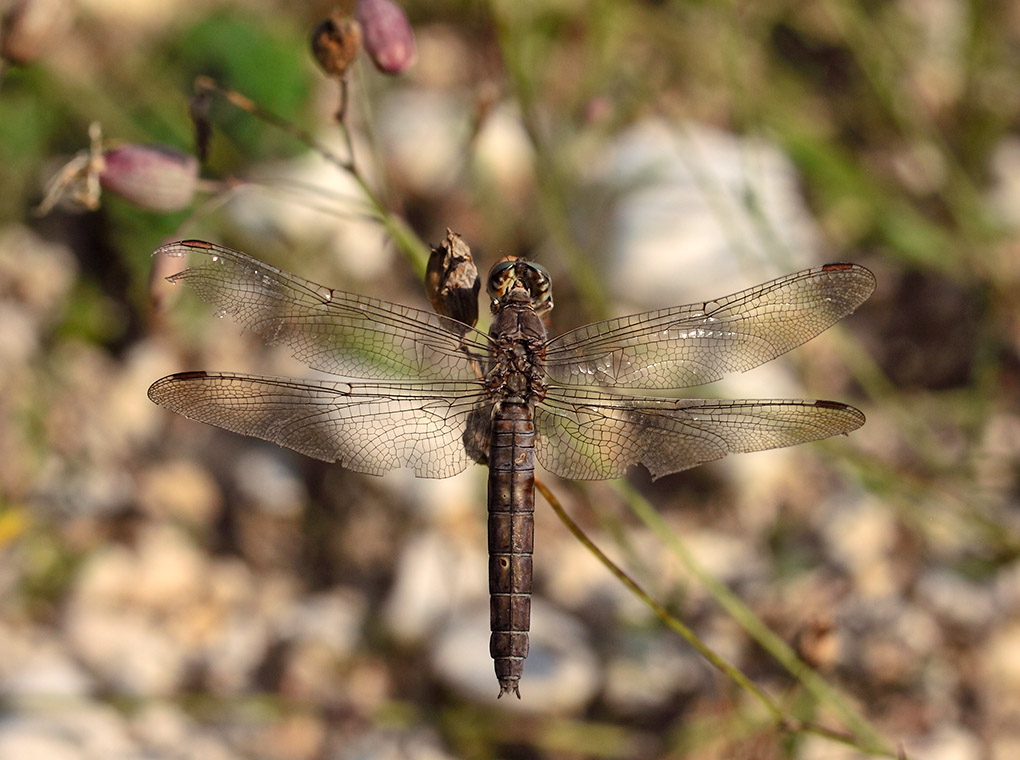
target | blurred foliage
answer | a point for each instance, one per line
(267, 58)
(894, 114)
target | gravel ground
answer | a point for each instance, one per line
(168, 590)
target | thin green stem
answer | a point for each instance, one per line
(552, 182)
(871, 743)
(870, 739)
(879, 57)
(688, 635)
(414, 250)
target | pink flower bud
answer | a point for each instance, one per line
(388, 38)
(154, 177)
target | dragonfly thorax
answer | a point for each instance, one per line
(518, 351)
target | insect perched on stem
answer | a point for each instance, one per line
(429, 392)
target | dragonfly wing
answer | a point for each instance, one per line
(699, 343)
(588, 435)
(366, 427)
(332, 331)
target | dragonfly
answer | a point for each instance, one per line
(410, 388)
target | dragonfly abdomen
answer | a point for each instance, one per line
(511, 539)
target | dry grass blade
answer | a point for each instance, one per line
(869, 740)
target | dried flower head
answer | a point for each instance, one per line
(389, 39)
(335, 43)
(78, 179)
(154, 177)
(451, 280)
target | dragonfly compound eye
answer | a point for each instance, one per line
(501, 279)
(515, 273)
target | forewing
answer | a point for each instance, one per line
(588, 435)
(699, 343)
(332, 331)
(366, 427)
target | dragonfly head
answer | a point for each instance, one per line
(520, 281)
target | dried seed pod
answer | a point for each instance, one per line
(154, 177)
(335, 43)
(451, 280)
(389, 39)
(30, 28)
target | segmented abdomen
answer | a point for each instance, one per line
(511, 539)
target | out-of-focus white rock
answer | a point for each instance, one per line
(97, 417)
(424, 134)
(267, 479)
(164, 731)
(332, 618)
(445, 57)
(179, 489)
(648, 668)
(890, 639)
(69, 487)
(38, 271)
(161, 725)
(33, 742)
(503, 154)
(577, 580)
(1001, 660)
(126, 418)
(306, 205)
(456, 505)
(19, 340)
(701, 213)
(133, 656)
(383, 744)
(37, 276)
(78, 730)
(1005, 194)
(36, 665)
(697, 213)
(561, 673)
(434, 578)
(137, 17)
(728, 557)
(957, 600)
(142, 618)
(945, 742)
(861, 536)
(1007, 587)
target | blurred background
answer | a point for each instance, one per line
(169, 590)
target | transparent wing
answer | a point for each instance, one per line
(366, 427)
(331, 331)
(699, 343)
(588, 435)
